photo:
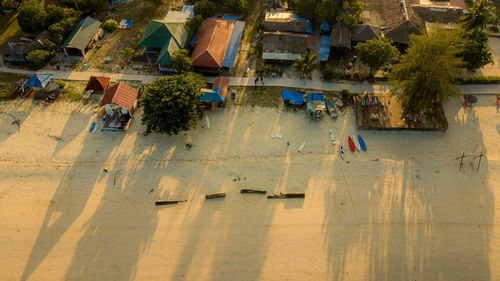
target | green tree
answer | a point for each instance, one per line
(32, 16)
(475, 50)
(38, 57)
(194, 22)
(205, 8)
(306, 64)
(127, 53)
(376, 52)
(348, 11)
(57, 13)
(110, 25)
(426, 72)
(182, 62)
(171, 103)
(49, 45)
(308, 8)
(481, 13)
(237, 6)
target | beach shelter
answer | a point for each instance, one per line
(121, 95)
(39, 80)
(97, 83)
(292, 97)
(218, 92)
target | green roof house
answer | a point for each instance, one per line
(82, 37)
(164, 38)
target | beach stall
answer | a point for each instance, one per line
(117, 107)
(97, 84)
(292, 99)
(315, 105)
(217, 94)
(39, 80)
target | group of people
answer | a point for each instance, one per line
(257, 79)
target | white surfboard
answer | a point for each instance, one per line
(332, 137)
(302, 146)
(207, 121)
(356, 142)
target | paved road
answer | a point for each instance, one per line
(354, 87)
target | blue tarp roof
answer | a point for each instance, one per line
(324, 50)
(39, 80)
(191, 41)
(315, 96)
(229, 17)
(232, 46)
(325, 26)
(212, 95)
(292, 97)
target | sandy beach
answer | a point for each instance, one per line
(400, 211)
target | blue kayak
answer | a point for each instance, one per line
(361, 142)
(92, 127)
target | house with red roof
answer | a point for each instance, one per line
(119, 103)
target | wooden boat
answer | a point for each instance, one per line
(332, 110)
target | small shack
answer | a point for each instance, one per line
(82, 38)
(97, 84)
(119, 104)
(217, 94)
(18, 52)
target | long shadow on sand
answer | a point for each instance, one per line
(418, 218)
(75, 186)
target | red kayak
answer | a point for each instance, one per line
(351, 144)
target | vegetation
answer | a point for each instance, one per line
(38, 57)
(60, 83)
(475, 50)
(171, 103)
(331, 11)
(128, 53)
(194, 23)
(110, 25)
(481, 14)
(306, 64)
(205, 8)
(32, 16)
(331, 72)
(181, 61)
(375, 53)
(478, 80)
(426, 72)
(237, 6)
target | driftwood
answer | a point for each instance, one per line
(253, 191)
(286, 195)
(168, 202)
(215, 195)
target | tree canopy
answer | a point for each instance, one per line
(237, 6)
(182, 62)
(194, 22)
(376, 52)
(331, 11)
(306, 64)
(205, 8)
(38, 57)
(32, 16)
(171, 103)
(481, 13)
(426, 72)
(475, 50)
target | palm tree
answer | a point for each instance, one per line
(481, 13)
(306, 64)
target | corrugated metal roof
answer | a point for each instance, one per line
(211, 42)
(97, 83)
(82, 34)
(234, 43)
(122, 95)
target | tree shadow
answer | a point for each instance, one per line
(412, 215)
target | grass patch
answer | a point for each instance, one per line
(73, 90)
(9, 29)
(7, 84)
(478, 80)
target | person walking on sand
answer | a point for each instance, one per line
(256, 80)
(262, 80)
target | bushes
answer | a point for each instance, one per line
(268, 70)
(205, 8)
(478, 80)
(237, 6)
(32, 16)
(38, 57)
(194, 22)
(127, 53)
(110, 25)
(60, 83)
(331, 72)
